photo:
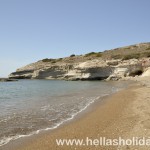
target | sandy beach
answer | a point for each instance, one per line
(124, 114)
(74, 75)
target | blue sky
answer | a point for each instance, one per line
(31, 30)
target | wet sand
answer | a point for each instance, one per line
(124, 114)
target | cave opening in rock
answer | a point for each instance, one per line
(136, 73)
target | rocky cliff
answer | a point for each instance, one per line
(112, 64)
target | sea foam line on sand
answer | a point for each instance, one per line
(6, 140)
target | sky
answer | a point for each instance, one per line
(31, 30)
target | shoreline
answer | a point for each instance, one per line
(23, 143)
(79, 114)
(84, 111)
(88, 107)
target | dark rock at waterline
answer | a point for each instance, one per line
(7, 80)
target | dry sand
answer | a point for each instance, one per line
(124, 114)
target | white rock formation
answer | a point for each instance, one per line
(96, 69)
(146, 73)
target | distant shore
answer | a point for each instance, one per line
(124, 114)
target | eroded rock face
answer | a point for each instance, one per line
(96, 69)
(90, 70)
(97, 73)
(25, 74)
(114, 64)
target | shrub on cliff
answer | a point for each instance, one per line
(90, 54)
(131, 56)
(146, 54)
(148, 48)
(136, 56)
(98, 54)
(116, 56)
(47, 60)
(94, 54)
(73, 55)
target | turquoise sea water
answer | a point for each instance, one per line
(29, 106)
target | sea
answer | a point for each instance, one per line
(30, 106)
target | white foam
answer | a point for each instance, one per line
(6, 140)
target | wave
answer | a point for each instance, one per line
(6, 140)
